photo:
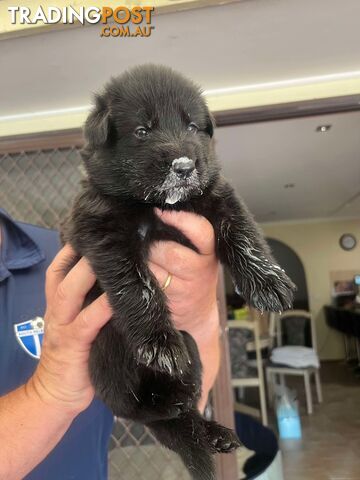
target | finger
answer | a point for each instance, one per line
(159, 272)
(56, 271)
(162, 275)
(91, 319)
(196, 228)
(176, 259)
(71, 292)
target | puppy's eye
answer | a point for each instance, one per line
(141, 132)
(192, 127)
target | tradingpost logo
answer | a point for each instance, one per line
(120, 21)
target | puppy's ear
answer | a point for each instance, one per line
(210, 124)
(98, 124)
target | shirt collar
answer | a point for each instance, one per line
(17, 249)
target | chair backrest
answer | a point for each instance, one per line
(277, 322)
(254, 326)
(272, 329)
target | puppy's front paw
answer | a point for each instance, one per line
(277, 293)
(165, 353)
(270, 289)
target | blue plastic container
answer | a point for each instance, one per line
(288, 419)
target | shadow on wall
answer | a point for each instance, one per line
(291, 263)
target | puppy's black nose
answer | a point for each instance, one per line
(183, 166)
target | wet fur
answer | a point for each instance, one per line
(141, 366)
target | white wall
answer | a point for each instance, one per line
(317, 245)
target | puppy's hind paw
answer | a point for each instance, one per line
(166, 353)
(221, 439)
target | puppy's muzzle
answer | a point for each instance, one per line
(183, 167)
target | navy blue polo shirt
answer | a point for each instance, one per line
(25, 253)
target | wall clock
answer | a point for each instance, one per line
(347, 241)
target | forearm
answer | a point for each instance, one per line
(29, 429)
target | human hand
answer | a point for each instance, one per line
(191, 294)
(192, 291)
(62, 377)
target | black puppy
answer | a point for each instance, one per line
(149, 143)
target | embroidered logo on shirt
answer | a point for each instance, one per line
(30, 336)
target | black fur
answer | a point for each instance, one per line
(141, 366)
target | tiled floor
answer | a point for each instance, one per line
(330, 445)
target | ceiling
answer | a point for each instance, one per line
(238, 44)
(244, 44)
(324, 167)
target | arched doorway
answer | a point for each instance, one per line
(293, 266)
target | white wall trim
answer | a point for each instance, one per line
(310, 220)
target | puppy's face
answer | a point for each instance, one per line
(149, 138)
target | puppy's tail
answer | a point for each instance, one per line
(195, 440)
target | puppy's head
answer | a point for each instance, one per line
(149, 138)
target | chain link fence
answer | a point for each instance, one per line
(38, 187)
